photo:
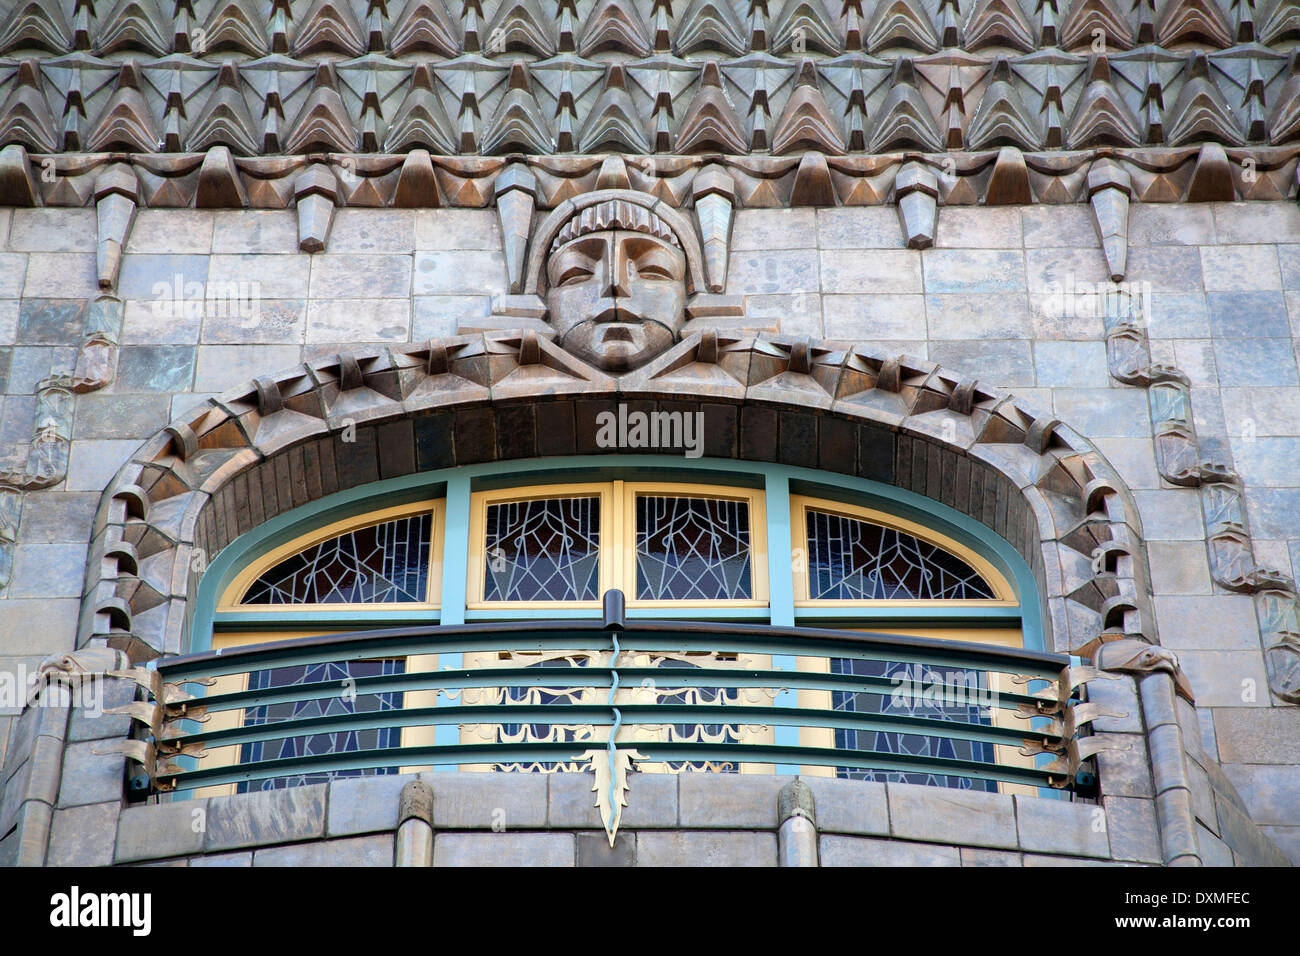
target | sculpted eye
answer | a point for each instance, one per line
(573, 275)
(652, 271)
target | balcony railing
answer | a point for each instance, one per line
(665, 695)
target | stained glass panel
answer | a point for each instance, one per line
(381, 564)
(545, 549)
(692, 549)
(853, 560)
(960, 696)
(343, 742)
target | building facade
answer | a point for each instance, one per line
(649, 433)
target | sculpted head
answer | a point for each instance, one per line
(616, 285)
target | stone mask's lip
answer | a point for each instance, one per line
(617, 332)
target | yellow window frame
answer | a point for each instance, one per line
(235, 591)
(800, 505)
(617, 561)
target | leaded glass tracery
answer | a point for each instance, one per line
(962, 698)
(854, 560)
(379, 564)
(543, 549)
(343, 742)
(692, 549)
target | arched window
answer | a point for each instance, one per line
(532, 541)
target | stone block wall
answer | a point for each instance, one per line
(1224, 282)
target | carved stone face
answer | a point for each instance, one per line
(616, 298)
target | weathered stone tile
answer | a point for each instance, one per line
(1172, 270)
(1258, 735)
(364, 804)
(762, 229)
(1071, 364)
(864, 851)
(1262, 411)
(1066, 272)
(244, 858)
(979, 316)
(154, 368)
(772, 272)
(868, 271)
(1171, 514)
(267, 816)
(37, 627)
(1179, 567)
(457, 229)
(255, 231)
(358, 320)
(979, 227)
(48, 571)
(1255, 362)
(349, 276)
(58, 516)
(1057, 826)
(1248, 315)
(735, 800)
(482, 801)
(83, 836)
(120, 416)
(52, 321)
(1176, 315)
(797, 314)
(1226, 678)
(27, 366)
(1287, 839)
(1266, 462)
(161, 322)
(707, 848)
(1104, 412)
(439, 316)
(173, 231)
(1048, 226)
(160, 276)
(855, 227)
(52, 229)
(473, 273)
(262, 276)
(1132, 829)
(940, 815)
(53, 275)
(1240, 268)
(870, 318)
(9, 310)
(269, 322)
(594, 850)
(1170, 224)
(224, 366)
(973, 856)
(1002, 364)
(1133, 458)
(1271, 793)
(1214, 852)
(652, 801)
(956, 271)
(162, 830)
(503, 849)
(849, 806)
(1068, 313)
(92, 464)
(1182, 622)
(358, 851)
(1254, 222)
(89, 777)
(372, 231)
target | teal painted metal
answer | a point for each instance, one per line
(458, 482)
(780, 582)
(681, 637)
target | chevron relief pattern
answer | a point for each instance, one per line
(491, 77)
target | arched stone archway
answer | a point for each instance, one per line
(286, 439)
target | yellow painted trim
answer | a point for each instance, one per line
(476, 563)
(617, 539)
(800, 505)
(233, 683)
(234, 593)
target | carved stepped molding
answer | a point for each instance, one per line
(1180, 461)
(216, 472)
(684, 78)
